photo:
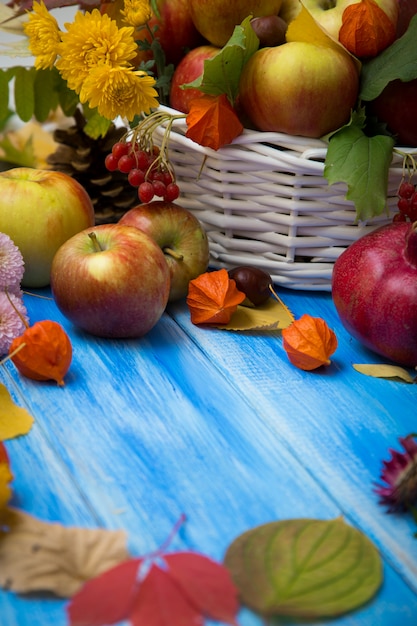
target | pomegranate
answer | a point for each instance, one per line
(374, 289)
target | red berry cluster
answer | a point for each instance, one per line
(145, 170)
(407, 202)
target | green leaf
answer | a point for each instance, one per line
(383, 370)
(4, 95)
(362, 163)
(17, 156)
(398, 61)
(304, 568)
(46, 97)
(222, 72)
(24, 96)
(97, 125)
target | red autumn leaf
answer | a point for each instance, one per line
(207, 584)
(108, 598)
(4, 457)
(180, 589)
(213, 298)
(366, 29)
(160, 602)
(212, 121)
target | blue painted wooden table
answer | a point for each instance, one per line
(221, 427)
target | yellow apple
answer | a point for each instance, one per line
(39, 211)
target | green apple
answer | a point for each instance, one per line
(216, 19)
(39, 211)
(111, 281)
(299, 88)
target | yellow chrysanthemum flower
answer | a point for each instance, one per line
(136, 12)
(44, 36)
(119, 91)
(93, 40)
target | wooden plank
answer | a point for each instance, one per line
(337, 422)
(152, 428)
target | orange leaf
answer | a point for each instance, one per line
(213, 298)
(46, 353)
(309, 342)
(212, 121)
(366, 29)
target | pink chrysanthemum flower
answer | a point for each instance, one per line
(400, 475)
(12, 310)
(11, 264)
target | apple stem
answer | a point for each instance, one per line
(175, 255)
(95, 241)
(278, 299)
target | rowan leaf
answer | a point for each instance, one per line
(108, 598)
(212, 121)
(180, 589)
(221, 73)
(366, 29)
(382, 370)
(304, 568)
(14, 420)
(271, 315)
(398, 61)
(213, 298)
(207, 585)
(362, 163)
(38, 556)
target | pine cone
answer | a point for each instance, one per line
(82, 157)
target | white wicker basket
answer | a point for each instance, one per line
(264, 201)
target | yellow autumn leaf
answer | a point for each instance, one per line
(305, 28)
(33, 141)
(382, 370)
(5, 491)
(14, 420)
(272, 315)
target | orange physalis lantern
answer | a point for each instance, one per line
(309, 342)
(212, 121)
(43, 352)
(366, 29)
(213, 298)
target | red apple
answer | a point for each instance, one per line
(188, 69)
(180, 236)
(39, 211)
(111, 281)
(299, 88)
(397, 107)
(216, 19)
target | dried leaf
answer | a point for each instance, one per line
(46, 353)
(304, 568)
(309, 342)
(272, 315)
(14, 420)
(212, 121)
(5, 478)
(187, 588)
(381, 370)
(213, 298)
(37, 556)
(28, 146)
(366, 29)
